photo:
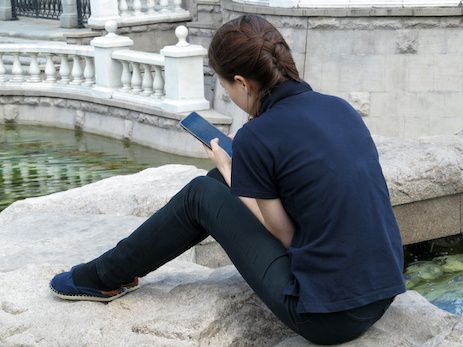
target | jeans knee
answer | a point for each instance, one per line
(204, 186)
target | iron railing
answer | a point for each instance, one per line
(49, 9)
(83, 12)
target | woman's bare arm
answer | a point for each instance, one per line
(273, 216)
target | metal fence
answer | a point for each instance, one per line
(83, 12)
(49, 9)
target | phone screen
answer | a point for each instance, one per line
(205, 131)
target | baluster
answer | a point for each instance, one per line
(178, 6)
(34, 70)
(158, 83)
(150, 6)
(17, 69)
(147, 80)
(136, 78)
(126, 76)
(123, 8)
(2, 70)
(164, 6)
(50, 71)
(137, 7)
(89, 72)
(64, 69)
(76, 71)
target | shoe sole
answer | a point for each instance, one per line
(80, 297)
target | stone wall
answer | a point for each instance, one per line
(400, 67)
(116, 119)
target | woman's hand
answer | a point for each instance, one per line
(221, 159)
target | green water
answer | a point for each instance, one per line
(36, 161)
(435, 270)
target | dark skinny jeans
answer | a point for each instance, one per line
(205, 207)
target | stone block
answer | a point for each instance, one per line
(420, 72)
(416, 126)
(420, 104)
(287, 22)
(363, 42)
(453, 104)
(296, 39)
(448, 72)
(444, 125)
(361, 73)
(330, 71)
(383, 104)
(395, 72)
(328, 44)
(299, 60)
(313, 73)
(454, 38)
(429, 219)
(388, 125)
(384, 41)
(432, 41)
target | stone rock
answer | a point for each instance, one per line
(50, 237)
(181, 304)
(423, 168)
(410, 321)
(138, 195)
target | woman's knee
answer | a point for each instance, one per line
(204, 185)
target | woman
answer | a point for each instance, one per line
(302, 210)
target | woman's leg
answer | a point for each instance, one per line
(203, 207)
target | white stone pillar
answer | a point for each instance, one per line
(103, 11)
(68, 18)
(5, 10)
(108, 72)
(184, 75)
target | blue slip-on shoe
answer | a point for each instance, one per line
(62, 285)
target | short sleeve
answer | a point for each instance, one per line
(252, 167)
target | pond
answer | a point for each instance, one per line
(36, 161)
(435, 270)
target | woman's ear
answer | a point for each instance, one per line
(243, 82)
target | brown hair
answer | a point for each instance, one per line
(252, 47)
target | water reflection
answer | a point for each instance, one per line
(36, 161)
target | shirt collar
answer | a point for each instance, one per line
(283, 90)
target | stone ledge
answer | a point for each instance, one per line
(16, 94)
(346, 12)
(430, 219)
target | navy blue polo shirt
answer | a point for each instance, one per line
(314, 152)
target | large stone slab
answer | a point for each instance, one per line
(54, 238)
(183, 304)
(422, 169)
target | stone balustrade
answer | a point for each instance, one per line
(141, 73)
(75, 67)
(171, 80)
(136, 12)
(149, 7)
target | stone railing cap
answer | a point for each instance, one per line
(111, 39)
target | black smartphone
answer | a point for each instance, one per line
(205, 131)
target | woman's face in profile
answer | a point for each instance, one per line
(238, 91)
